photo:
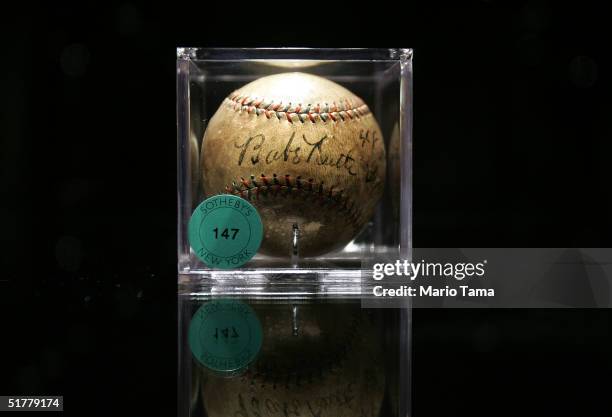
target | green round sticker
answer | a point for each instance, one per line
(225, 231)
(225, 335)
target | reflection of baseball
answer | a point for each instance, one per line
(327, 363)
(304, 150)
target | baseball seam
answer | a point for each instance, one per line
(288, 186)
(342, 110)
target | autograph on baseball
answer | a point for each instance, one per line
(257, 149)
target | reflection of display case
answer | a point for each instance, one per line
(318, 141)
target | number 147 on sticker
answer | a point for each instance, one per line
(225, 233)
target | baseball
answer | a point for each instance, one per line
(305, 151)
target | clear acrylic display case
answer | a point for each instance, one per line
(322, 354)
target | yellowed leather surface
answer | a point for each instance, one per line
(304, 150)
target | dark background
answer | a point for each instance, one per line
(512, 142)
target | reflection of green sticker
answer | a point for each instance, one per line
(225, 231)
(225, 335)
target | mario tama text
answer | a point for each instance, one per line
(432, 277)
(431, 291)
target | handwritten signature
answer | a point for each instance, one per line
(295, 150)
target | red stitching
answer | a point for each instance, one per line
(250, 188)
(258, 106)
(310, 181)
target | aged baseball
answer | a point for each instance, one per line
(305, 151)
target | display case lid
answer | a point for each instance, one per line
(331, 54)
